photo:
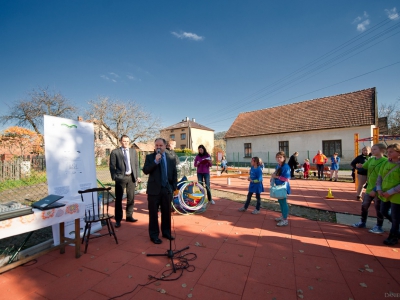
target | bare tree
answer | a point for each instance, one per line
(42, 102)
(122, 117)
(392, 112)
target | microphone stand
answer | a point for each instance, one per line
(170, 253)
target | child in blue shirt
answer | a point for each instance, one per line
(255, 186)
(282, 176)
(335, 160)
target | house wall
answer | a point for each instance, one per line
(306, 143)
(199, 137)
(102, 142)
(203, 137)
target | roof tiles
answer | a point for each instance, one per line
(339, 111)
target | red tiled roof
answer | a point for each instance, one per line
(339, 111)
(185, 124)
(144, 147)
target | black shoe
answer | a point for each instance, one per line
(330, 179)
(156, 240)
(130, 219)
(117, 225)
(391, 240)
(169, 237)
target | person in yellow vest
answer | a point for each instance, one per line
(320, 159)
(388, 188)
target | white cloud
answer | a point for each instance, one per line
(392, 13)
(107, 78)
(363, 25)
(133, 78)
(113, 74)
(362, 22)
(188, 35)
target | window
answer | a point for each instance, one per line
(183, 136)
(330, 147)
(107, 152)
(172, 130)
(247, 149)
(172, 136)
(284, 146)
(100, 135)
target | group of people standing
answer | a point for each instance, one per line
(319, 160)
(383, 188)
(381, 175)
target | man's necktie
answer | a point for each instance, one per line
(163, 172)
(127, 165)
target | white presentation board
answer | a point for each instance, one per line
(70, 163)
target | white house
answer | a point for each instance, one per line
(326, 124)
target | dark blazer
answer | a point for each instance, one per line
(117, 164)
(154, 171)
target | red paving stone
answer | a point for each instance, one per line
(239, 256)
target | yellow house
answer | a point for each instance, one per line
(189, 134)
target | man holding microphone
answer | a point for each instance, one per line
(161, 168)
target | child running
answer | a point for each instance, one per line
(372, 165)
(255, 186)
(306, 167)
(388, 188)
(282, 176)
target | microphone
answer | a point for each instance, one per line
(158, 150)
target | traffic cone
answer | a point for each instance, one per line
(329, 196)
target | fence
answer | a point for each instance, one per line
(238, 159)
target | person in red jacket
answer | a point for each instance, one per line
(306, 167)
(320, 160)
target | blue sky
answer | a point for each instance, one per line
(207, 60)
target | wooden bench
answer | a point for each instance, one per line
(326, 173)
(313, 172)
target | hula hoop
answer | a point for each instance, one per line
(184, 208)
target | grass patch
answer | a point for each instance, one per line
(35, 178)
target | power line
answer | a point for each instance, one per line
(349, 79)
(304, 70)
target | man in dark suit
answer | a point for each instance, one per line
(124, 171)
(161, 168)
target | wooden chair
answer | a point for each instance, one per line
(97, 212)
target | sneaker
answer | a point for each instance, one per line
(279, 219)
(330, 179)
(359, 225)
(212, 202)
(376, 229)
(242, 209)
(359, 198)
(283, 223)
(255, 212)
(336, 180)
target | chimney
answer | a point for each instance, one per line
(187, 119)
(193, 120)
(80, 119)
